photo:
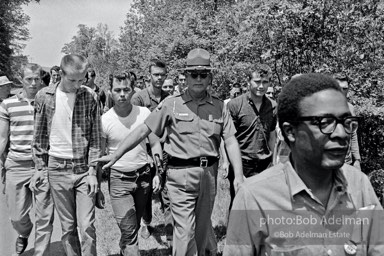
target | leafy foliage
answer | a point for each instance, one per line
(13, 33)
(98, 45)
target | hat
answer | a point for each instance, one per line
(198, 59)
(4, 80)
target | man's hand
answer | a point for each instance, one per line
(93, 184)
(237, 182)
(225, 167)
(109, 159)
(37, 178)
(156, 184)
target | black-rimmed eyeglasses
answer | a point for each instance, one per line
(327, 124)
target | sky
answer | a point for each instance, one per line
(54, 22)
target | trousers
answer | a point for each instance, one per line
(129, 194)
(192, 194)
(20, 199)
(75, 208)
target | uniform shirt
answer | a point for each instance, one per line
(18, 111)
(194, 129)
(86, 127)
(275, 213)
(253, 126)
(145, 98)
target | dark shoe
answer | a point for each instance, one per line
(21, 244)
(145, 231)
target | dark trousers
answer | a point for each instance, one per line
(250, 168)
(147, 214)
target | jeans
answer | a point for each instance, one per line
(192, 193)
(74, 206)
(129, 193)
(19, 201)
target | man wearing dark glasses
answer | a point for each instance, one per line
(195, 122)
(313, 204)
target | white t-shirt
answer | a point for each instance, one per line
(116, 128)
(60, 139)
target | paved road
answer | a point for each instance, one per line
(8, 235)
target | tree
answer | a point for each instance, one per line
(98, 45)
(292, 36)
(13, 33)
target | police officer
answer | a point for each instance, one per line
(195, 122)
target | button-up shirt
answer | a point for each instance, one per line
(194, 129)
(86, 127)
(253, 126)
(145, 98)
(275, 213)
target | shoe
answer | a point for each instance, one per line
(21, 244)
(145, 232)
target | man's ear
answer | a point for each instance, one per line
(289, 131)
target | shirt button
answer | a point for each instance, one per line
(329, 252)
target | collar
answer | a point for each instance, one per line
(21, 96)
(52, 89)
(250, 101)
(207, 99)
(163, 95)
(296, 184)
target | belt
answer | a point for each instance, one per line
(135, 173)
(203, 161)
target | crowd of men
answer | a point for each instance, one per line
(296, 159)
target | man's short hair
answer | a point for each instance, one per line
(261, 70)
(54, 68)
(45, 77)
(296, 90)
(32, 67)
(121, 76)
(73, 62)
(157, 63)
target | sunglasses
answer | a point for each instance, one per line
(194, 75)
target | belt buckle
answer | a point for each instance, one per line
(203, 162)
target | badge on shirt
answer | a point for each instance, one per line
(350, 248)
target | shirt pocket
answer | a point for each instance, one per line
(215, 127)
(185, 124)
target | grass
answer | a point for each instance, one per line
(108, 233)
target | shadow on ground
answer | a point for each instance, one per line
(56, 248)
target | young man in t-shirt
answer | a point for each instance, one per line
(130, 178)
(16, 127)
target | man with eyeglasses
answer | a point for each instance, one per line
(195, 122)
(254, 116)
(312, 204)
(353, 156)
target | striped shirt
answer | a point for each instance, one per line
(18, 111)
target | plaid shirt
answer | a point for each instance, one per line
(86, 127)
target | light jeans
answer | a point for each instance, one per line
(74, 207)
(19, 201)
(129, 194)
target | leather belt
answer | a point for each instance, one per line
(203, 161)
